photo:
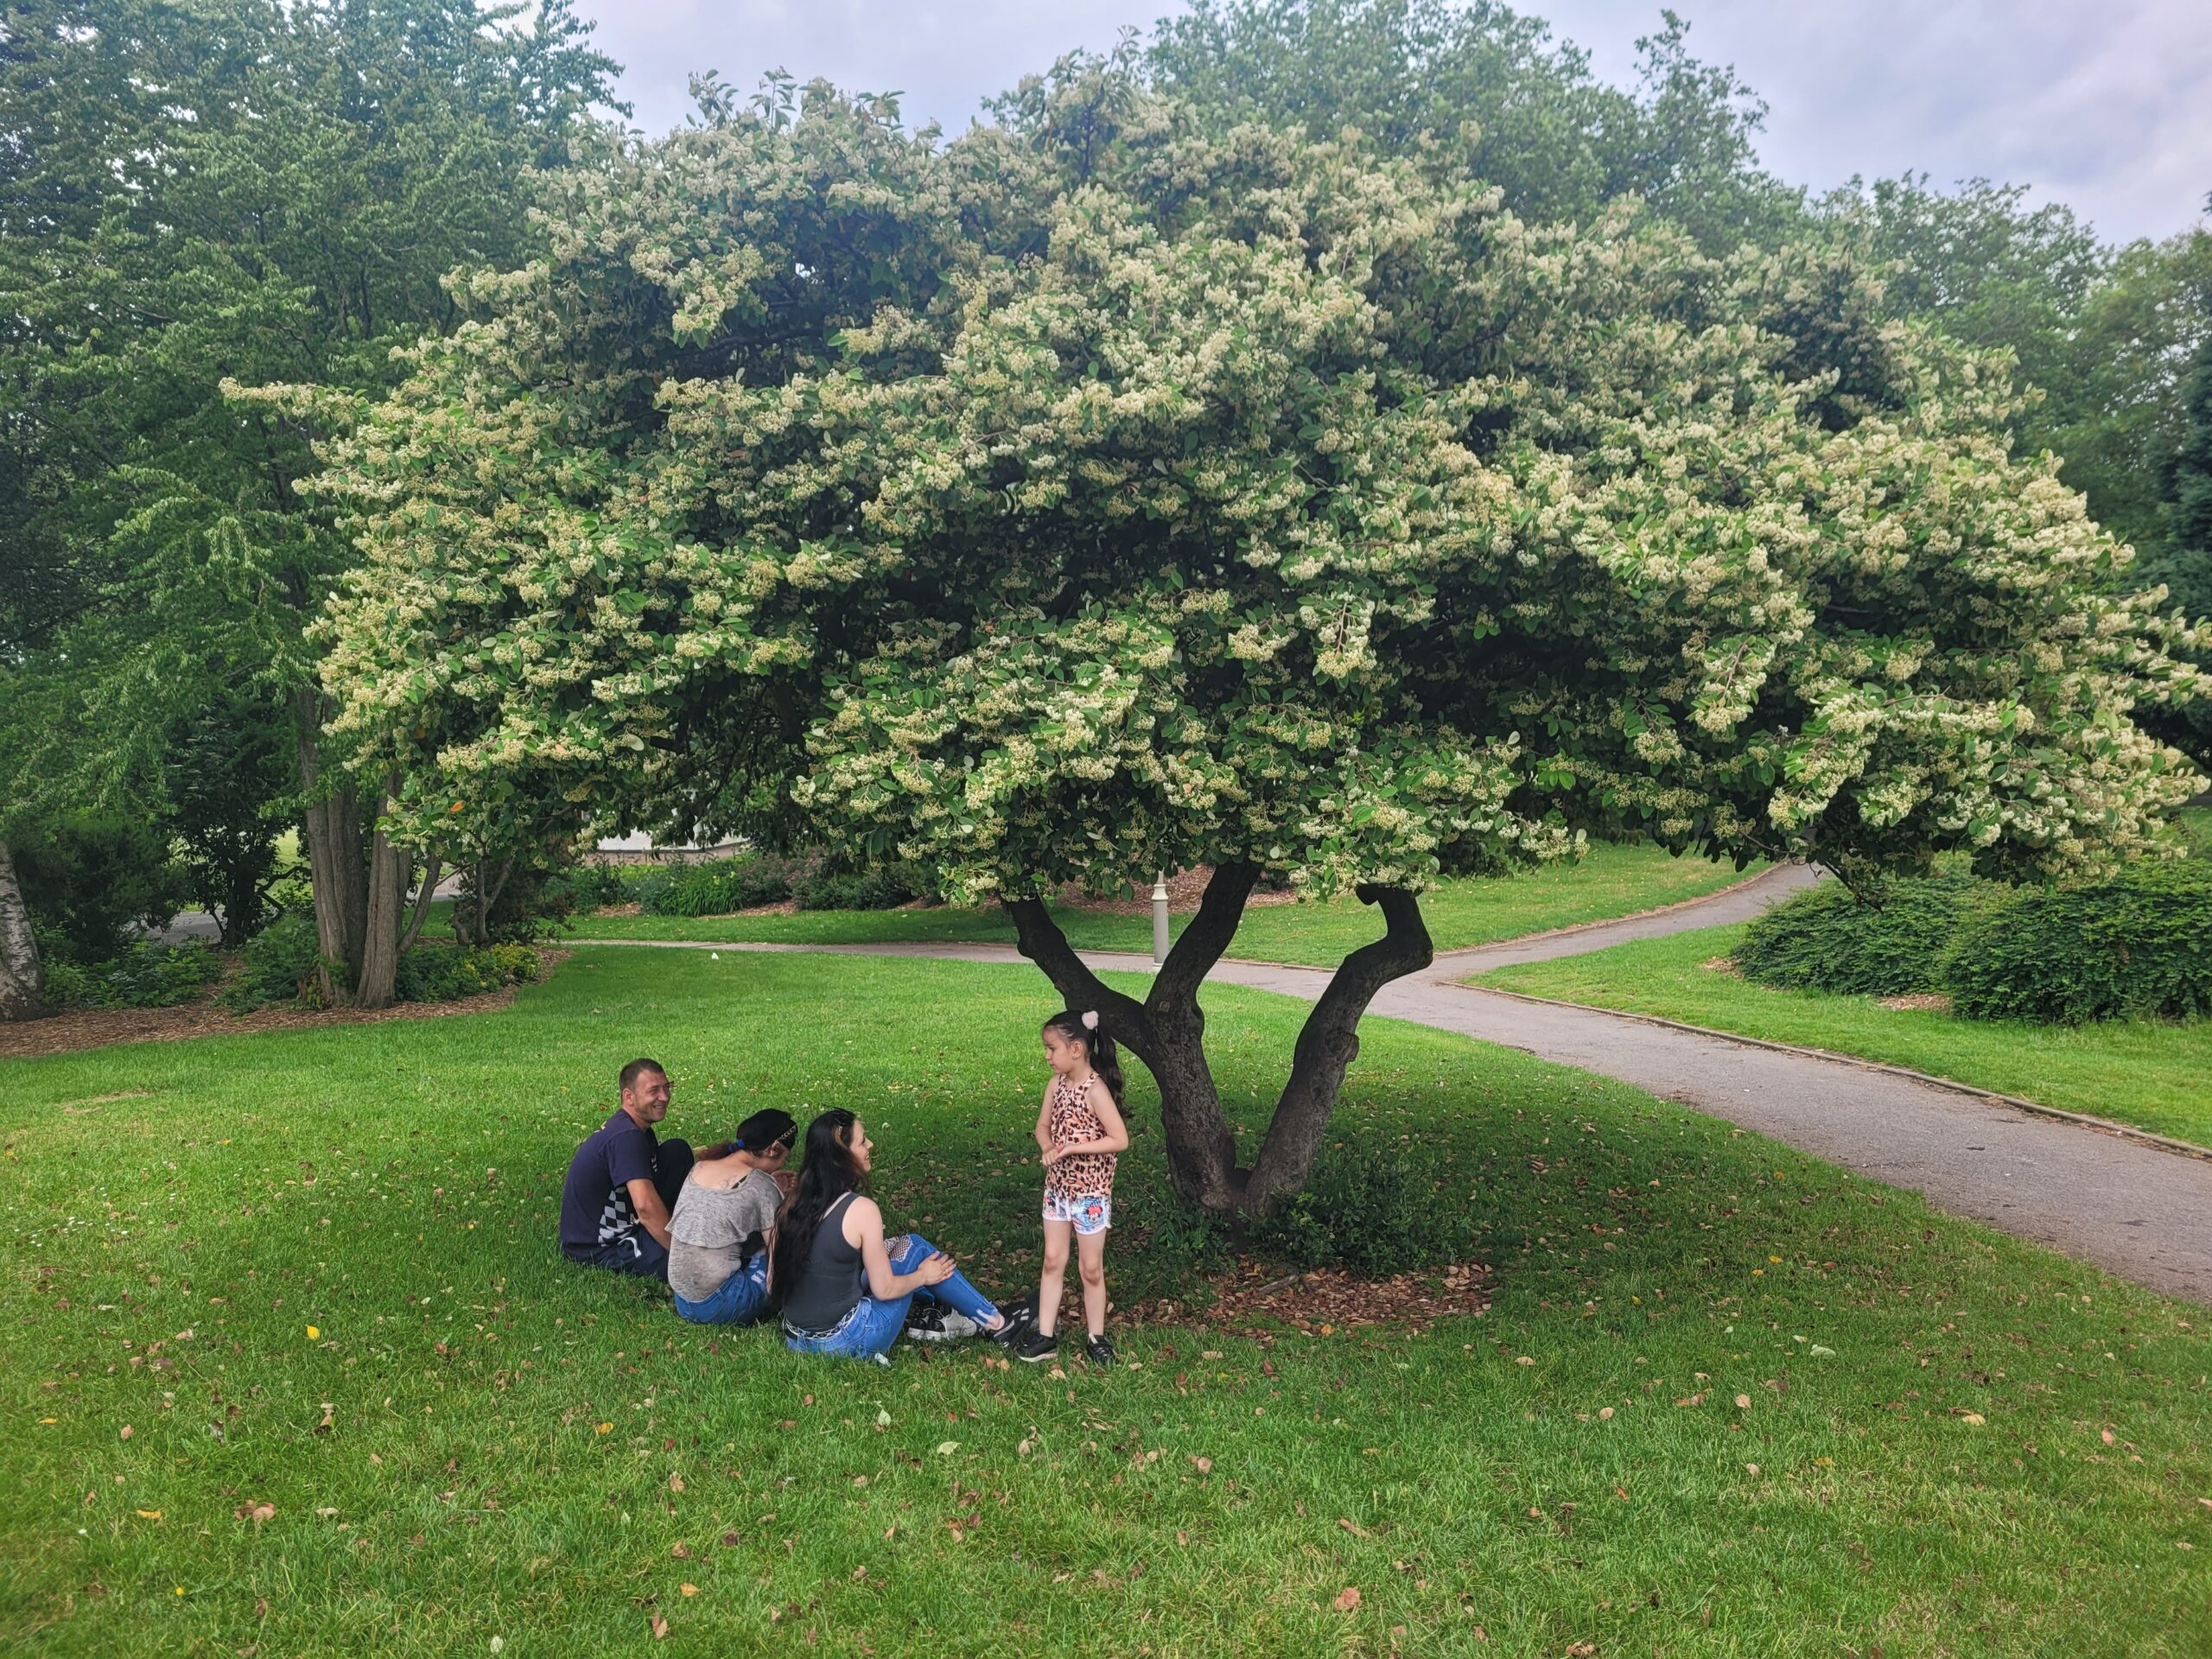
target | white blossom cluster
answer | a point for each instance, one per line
(1050, 511)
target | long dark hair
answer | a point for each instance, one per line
(1098, 1048)
(827, 1175)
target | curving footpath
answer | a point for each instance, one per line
(2130, 1206)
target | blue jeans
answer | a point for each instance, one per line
(738, 1300)
(873, 1326)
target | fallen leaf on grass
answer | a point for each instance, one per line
(1819, 1352)
(2104, 1434)
(1347, 1598)
(1352, 1526)
(256, 1513)
(688, 1589)
(681, 1552)
(660, 1628)
(126, 1434)
(603, 1428)
(150, 1514)
(946, 1448)
(1972, 1417)
(1525, 1360)
(1204, 1465)
(1742, 1403)
(1605, 1414)
(676, 1483)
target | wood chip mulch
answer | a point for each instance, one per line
(82, 1028)
(1256, 1303)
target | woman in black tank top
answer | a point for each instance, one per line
(845, 1288)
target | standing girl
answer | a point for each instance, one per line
(1079, 1129)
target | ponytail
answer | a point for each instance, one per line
(1098, 1048)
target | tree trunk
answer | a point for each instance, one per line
(432, 868)
(22, 980)
(1167, 1031)
(335, 868)
(384, 912)
(1328, 1044)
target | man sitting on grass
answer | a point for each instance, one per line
(622, 1183)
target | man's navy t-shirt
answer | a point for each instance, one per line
(595, 1207)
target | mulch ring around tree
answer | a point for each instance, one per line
(82, 1028)
(1260, 1300)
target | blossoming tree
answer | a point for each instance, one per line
(1087, 496)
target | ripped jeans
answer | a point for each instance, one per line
(873, 1326)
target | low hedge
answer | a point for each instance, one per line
(1829, 940)
(2138, 944)
(147, 976)
(280, 967)
(752, 879)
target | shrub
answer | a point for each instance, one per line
(886, 886)
(722, 885)
(590, 885)
(2140, 944)
(1828, 940)
(279, 964)
(1369, 1211)
(91, 877)
(147, 976)
(444, 973)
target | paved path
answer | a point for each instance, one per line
(2131, 1208)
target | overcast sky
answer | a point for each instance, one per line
(2105, 104)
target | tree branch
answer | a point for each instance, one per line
(421, 914)
(1205, 937)
(1329, 1041)
(1039, 938)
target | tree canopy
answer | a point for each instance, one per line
(1099, 491)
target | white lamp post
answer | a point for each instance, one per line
(1160, 919)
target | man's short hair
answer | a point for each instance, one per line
(637, 1068)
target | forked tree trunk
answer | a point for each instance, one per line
(23, 979)
(336, 871)
(389, 868)
(1167, 1031)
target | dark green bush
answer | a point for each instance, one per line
(2140, 944)
(278, 965)
(147, 976)
(1371, 1212)
(1827, 940)
(92, 878)
(443, 973)
(722, 885)
(886, 886)
(590, 885)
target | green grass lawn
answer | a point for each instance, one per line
(2149, 1073)
(314, 1270)
(1611, 880)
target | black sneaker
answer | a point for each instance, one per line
(924, 1322)
(1038, 1344)
(1099, 1352)
(1016, 1316)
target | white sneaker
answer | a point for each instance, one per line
(940, 1325)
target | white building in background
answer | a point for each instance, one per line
(640, 847)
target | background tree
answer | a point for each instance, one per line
(1100, 493)
(1486, 92)
(253, 190)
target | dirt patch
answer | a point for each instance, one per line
(633, 908)
(1723, 965)
(83, 1029)
(1259, 1302)
(1929, 1001)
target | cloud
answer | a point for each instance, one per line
(2100, 104)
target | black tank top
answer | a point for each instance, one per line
(830, 1284)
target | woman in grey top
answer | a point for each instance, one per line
(720, 1237)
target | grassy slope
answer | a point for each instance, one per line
(2150, 1074)
(507, 1436)
(1612, 881)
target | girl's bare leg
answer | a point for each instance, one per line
(1049, 1284)
(1091, 1264)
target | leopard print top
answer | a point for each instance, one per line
(1070, 1121)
